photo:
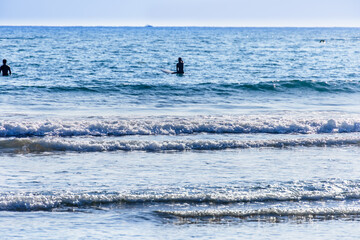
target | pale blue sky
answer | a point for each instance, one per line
(181, 13)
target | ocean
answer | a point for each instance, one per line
(259, 139)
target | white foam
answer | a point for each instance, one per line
(51, 144)
(284, 194)
(267, 212)
(168, 125)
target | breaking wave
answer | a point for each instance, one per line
(38, 145)
(177, 126)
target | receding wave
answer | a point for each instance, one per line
(180, 125)
(282, 195)
(268, 214)
(39, 145)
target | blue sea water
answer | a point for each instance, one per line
(259, 139)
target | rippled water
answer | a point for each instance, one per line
(261, 132)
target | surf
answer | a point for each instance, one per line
(55, 144)
(312, 123)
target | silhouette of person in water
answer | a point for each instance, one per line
(5, 69)
(180, 66)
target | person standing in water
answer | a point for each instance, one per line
(180, 66)
(5, 69)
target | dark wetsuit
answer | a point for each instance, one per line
(180, 67)
(5, 69)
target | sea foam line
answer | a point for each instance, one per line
(37, 145)
(266, 213)
(48, 202)
(181, 125)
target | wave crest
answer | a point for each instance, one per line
(351, 86)
(38, 145)
(178, 126)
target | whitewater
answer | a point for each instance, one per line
(259, 138)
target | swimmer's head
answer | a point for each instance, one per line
(4, 61)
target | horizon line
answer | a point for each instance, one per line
(184, 26)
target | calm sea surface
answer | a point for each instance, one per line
(259, 139)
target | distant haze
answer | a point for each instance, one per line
(301, 13)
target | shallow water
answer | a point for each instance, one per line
(259, 139)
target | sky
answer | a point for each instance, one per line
(236, 13)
